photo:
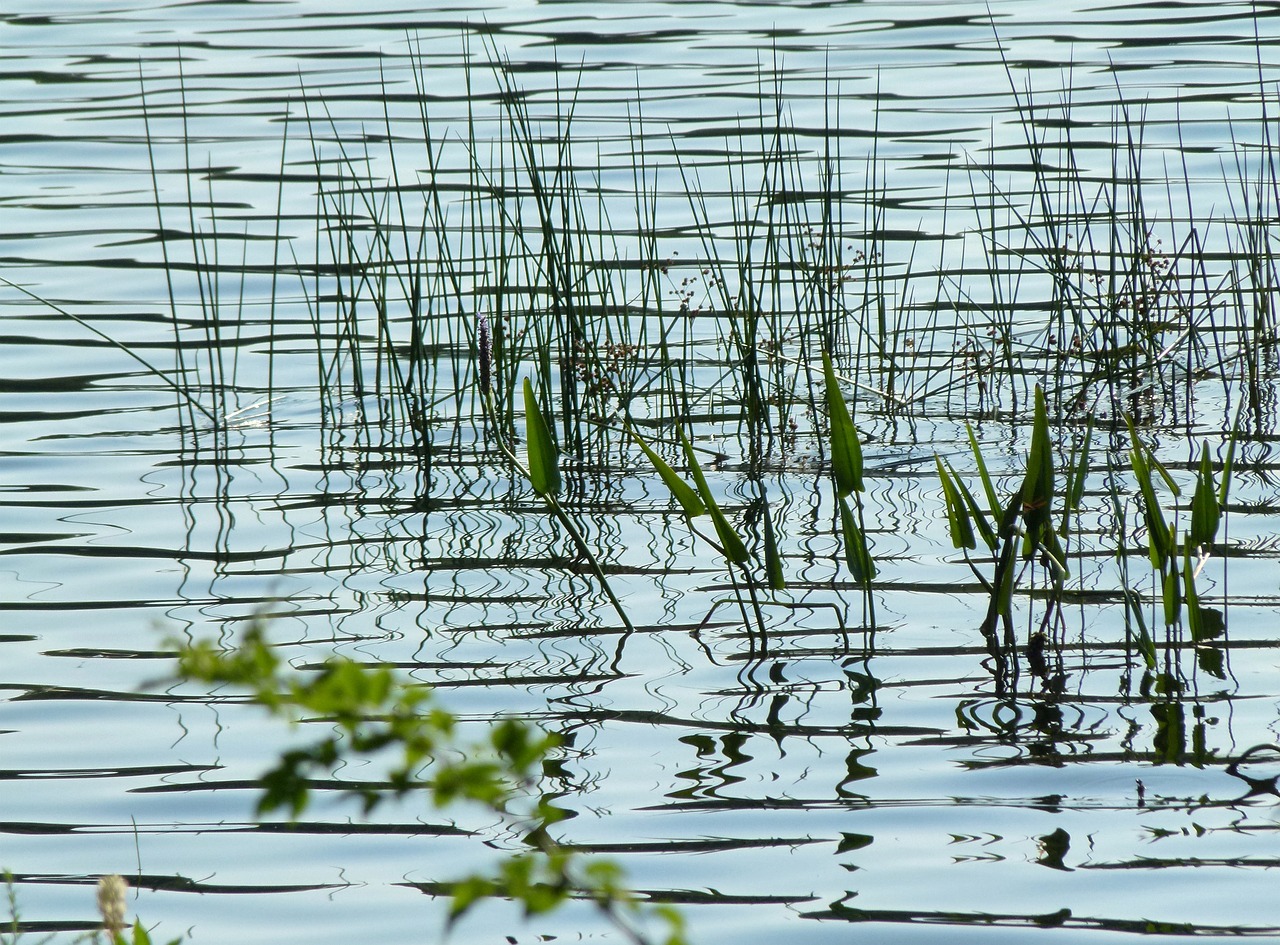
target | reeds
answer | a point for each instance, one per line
(729, 315)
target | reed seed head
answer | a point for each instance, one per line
(111, 903)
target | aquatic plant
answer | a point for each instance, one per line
(846, 471)
(1019, 529)
(1177, 556)
(112, 908)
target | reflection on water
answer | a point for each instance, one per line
(808, 771)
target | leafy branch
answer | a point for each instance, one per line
(373, 711)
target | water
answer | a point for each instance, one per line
(837, 780)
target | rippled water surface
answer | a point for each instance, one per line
(199, 182)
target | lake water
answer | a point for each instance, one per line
(837, 782)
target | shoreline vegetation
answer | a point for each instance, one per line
(532, 308)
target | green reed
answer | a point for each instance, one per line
(1075, 292)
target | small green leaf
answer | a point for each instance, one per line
(1195, 621)
(1227, 466)
(988, 487)
(1146, 645)
(544, 457)
(1037, 488)
(846, 451)
(1206, 514)
(985, 526)
(958, 521)
(684, 493)
(735, 550)
(856, 554)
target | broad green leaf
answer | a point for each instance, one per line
(1037, 488)
(544, 457)
(684, 493)
(958, 522)
(735, 550)
(856, 554)
(1206, 514)
(1159, 539)
(846, 451)
(1005, 568)
(1151, 463)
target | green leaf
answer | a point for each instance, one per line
(985, 526)
(1170, 483)
(988, 487)
(1146, 645)
(1004, 575)
(731, 544)
(544, 457)
(1037, 488)
(1172, 586)
(1159, 537)
(684, 493)
(958, 521)
(466, 893)
(846, 451)
(1227, 466)
(1206, 514)
(856, 554)
(1194, 614)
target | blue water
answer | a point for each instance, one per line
(922, 809)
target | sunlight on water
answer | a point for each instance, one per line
(777, 786)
